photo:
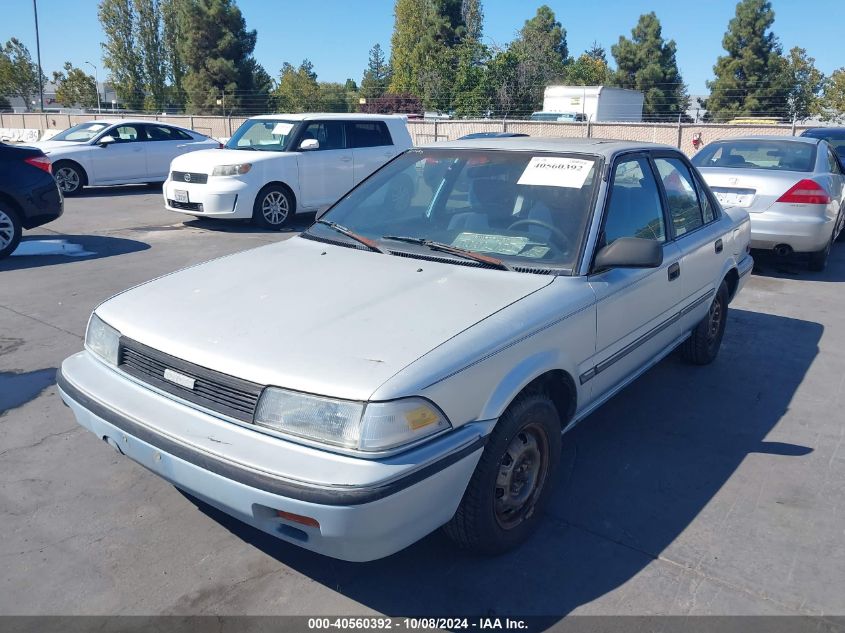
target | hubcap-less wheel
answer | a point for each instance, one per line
(522, 474)
(7, 230)
(714, 320)
(67, 178)
(275, 208)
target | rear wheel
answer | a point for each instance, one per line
(818, 260)
(504, 500)
(273, 208)
(10, 230)
(702, 347)
(69, 177)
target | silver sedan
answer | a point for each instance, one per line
(792, 187)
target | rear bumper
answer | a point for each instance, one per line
(220, 198)
(804, 232)
(394, 503)
(41, 205)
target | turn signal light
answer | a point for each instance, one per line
(806, 192)
(42, 162)
(298, 518)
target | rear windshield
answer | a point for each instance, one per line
(754, 154)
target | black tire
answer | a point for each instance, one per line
(841, 236)
(484, 522)
(10, 230)
(70, 177)
(818, 260)
(274, 207)
(702, 347)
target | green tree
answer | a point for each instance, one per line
(377, 76)
(472, 14)
(297, 89)
(121, 53)
(18, 73)
(216, 48)
(472, 93)
(332, 97)
(174, 64)
(752, 79)
(259, 98)
(352, 95)
(75, 88)
(588, 71)
(807, 83)
(832, 103)
(646, 62)
(152, 53)
(410, 22)
(596, 51)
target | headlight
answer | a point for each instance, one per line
(102, 339)
(374, 426)
(231, 170)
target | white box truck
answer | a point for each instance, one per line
(592, 103)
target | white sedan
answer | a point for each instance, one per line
(118, 152)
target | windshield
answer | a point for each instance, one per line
(270, 135)
(529, 209)
(754, 154)
(80, 133)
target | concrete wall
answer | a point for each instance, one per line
(424, 132)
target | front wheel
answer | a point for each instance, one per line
(702, 347)
(10, 231)
(504, 501)
(69, 178)
(273, 208)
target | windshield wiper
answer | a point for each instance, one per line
(366, 241)
(452, 250)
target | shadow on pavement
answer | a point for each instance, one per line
(635, 475)
(35, 251)
(794, 266)
(120, 190)
(16, 389)
(300, 222)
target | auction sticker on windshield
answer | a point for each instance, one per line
(556, 171)
(282, 129)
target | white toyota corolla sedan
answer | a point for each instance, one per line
(406, 365)
(118, 152)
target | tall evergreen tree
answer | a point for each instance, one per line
(752, 79)
(297, 90)
(410, 22)
(647, 63)
(151, 52)
(472, 14)
(377, 76)
(174, 64)
(121, 52)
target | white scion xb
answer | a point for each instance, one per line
(277, 165)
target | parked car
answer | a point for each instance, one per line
(397, 368)
(275, 166)
(118, 152)
(491, 135)
(29, 196)
(833, 135)
(792, 187)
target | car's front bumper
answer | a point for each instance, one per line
(224, 198)
(804, 228)
(366, 509)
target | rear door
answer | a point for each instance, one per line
(163, 144)
(636, 306)
(125, 160)
(325, 174)
(372, 146)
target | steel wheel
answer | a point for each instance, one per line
(68, 179)
(275, 208)
(522, 475)
(714, 318)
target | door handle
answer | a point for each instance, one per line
(345, 159)
(719, 245)
(674, 271)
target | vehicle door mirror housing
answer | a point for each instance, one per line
(106, 140)
(630, 252)
(309, 145)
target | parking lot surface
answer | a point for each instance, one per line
(714, 490)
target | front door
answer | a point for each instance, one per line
(325, 173)
(125, 160)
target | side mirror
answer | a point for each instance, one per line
(630, 252)
(105, 141)
(309, 144)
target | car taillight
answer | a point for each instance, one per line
(806, 192)
(42, 162)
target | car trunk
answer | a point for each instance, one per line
(750, 189)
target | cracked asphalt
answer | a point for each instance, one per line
(716, 490)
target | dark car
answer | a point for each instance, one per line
(29, 196)
(490, 135)
(833, 135)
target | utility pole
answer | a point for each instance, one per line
(38, 54)
(96, 86)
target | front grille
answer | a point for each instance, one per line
(189, 176)
(185, 206)
(213, 390)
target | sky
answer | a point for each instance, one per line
(336, 35)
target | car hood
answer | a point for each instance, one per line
(313, 317)
(203, 161)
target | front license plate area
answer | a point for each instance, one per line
(180, 195)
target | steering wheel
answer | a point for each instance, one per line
(561, 240)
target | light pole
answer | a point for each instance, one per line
(38, 51)
(96, 86)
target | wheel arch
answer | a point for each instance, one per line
(732, 279)
(82, 171)
(278, 183)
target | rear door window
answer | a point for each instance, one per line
(634, 209)
(165, 133)
(681, 196)
(369, 134)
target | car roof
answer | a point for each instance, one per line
(835, 132)
(772, 137)
(600, 146)
(135, 122)
(307, 116)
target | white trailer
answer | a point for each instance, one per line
(595, 103)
